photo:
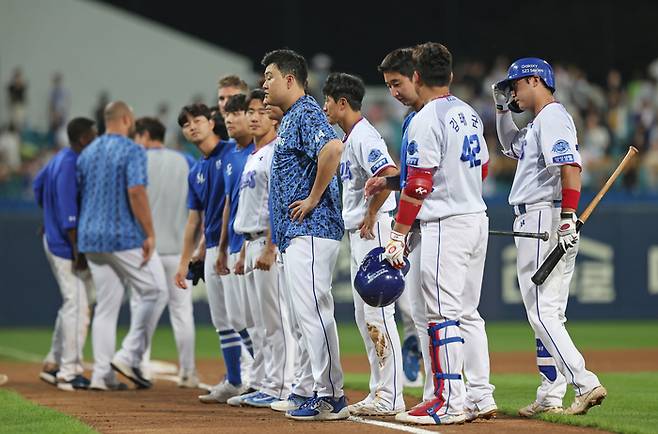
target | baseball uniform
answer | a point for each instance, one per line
(263, 287)
(365, 155)
(546, 143)
(56, 191)
(112, 239)
(310, 248)
(447, 137)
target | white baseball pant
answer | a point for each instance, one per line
(309, 264)
(110, 271)
(558, 359)
(72, 320)
(453, 251)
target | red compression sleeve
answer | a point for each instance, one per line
(485, 170)
(570, 198)
(407, 212)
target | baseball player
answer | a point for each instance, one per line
(116, 234)
(228, 264)
(447, 159)
(206, 201)
(545, 195)
(261, 272)
(167, 193)
(368, 225)
(56, 191)
(307, 222)
(228, 86)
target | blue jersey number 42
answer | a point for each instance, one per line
(470, 152)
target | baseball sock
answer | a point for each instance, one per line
(230, 344)
(246, 340)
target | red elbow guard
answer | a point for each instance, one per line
(419, 183)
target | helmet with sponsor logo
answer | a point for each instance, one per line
(527, 67)
(377, 281)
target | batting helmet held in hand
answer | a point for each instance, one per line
(377, 281)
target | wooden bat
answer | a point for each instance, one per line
(554, 257)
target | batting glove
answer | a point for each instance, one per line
(395, 250)
(501, 97)
(567, 235)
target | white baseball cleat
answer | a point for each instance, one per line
(373, 407)
(537, 408)
(581, 404)
(427, 413)
(188, 381)
(236, 401)
(221, 393)
(486, 413)
(293, 402)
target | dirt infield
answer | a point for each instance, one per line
(166, 408)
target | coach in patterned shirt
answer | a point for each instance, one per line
(116, 233)
(307, 224)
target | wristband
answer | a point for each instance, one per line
(407, 212)
(570, 198)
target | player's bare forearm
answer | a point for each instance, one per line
(328, 162)
(189, 236)
(378, 199)
(223, 237)
(139, 204)
(570, 176)
(72, 235)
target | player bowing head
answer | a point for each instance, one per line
(286, 73)
(343, 94)
(398, 70)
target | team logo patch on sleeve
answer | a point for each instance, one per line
(412, 148)
(561, 159)
(560, 147)
(383, 162)
(374, 155)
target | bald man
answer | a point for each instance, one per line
(116, 234)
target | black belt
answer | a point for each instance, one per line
(521, 208)
(254, 235)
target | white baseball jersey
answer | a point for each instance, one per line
(448, 135)
(364, 156)
(253, 213)
(545, 144)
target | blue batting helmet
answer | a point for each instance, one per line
(377, 281)
(528, 67)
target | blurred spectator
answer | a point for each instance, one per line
(594, 150)
(10, 153)
(17, 98)
(99, 110)
(58, 110)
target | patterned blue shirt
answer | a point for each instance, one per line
(235, 161)
(107, 168)
(206, 184)
(303, 133)
(56, 191)
(403, 149)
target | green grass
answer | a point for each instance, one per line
(18, 415)
(503, 336)
(631, 405)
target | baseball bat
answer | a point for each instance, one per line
(542, 236)
(554, 257)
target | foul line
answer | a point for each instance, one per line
(390, 425)
(21, 355)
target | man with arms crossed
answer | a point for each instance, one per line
(307, 223)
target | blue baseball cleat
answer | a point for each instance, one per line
(411, 359)
(260, 400)
(321, 408)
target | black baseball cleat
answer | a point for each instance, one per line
(133, 374)
(77, 383)
(49, 376)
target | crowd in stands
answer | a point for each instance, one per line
(609, 117)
